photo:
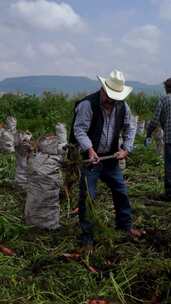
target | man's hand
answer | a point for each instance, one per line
(147, 141)
(93, 157)
(121, 154)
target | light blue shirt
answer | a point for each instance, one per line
(83, 121)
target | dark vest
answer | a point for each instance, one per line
(96, 127)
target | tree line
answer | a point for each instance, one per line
(40, 114)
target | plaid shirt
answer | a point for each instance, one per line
(162, 117)
(83, 121)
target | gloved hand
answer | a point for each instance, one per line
(147, 141)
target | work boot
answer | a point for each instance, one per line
(86, 239)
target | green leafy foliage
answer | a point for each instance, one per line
(7, 166)
(38, 115)
(126, 270)
(142, 105)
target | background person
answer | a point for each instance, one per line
(162, 117)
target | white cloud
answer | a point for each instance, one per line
(81, 65)
(29, 52)
(165, 9)
(155, 2)
(12, 68)
(36, 37)
(56, 49)
(145, 38)
(46, 15)
(104, 40)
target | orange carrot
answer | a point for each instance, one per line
(6, 250)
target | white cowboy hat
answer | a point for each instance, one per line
(114, 86)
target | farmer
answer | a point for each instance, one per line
(162, 117)
(99, 120)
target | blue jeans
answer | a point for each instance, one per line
(167, 159)
(110, 173)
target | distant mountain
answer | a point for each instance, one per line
(155, 89)
(66, 84)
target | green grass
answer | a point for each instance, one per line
(128, 271)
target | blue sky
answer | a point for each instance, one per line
(89, 38)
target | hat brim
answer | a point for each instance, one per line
(115, 95)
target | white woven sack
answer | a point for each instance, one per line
(22, 136)
(48, 145)
(140, 127)
(42, 207)
(61, 134)
(22, 153)
(11, 124)
(54, 144)
(158, 136)
(1, 142)
(6, 141)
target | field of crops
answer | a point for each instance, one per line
(51, 267)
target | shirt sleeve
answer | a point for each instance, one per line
(129, 129)
(156, 119)
(82, 124)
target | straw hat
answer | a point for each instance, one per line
(114, 86)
